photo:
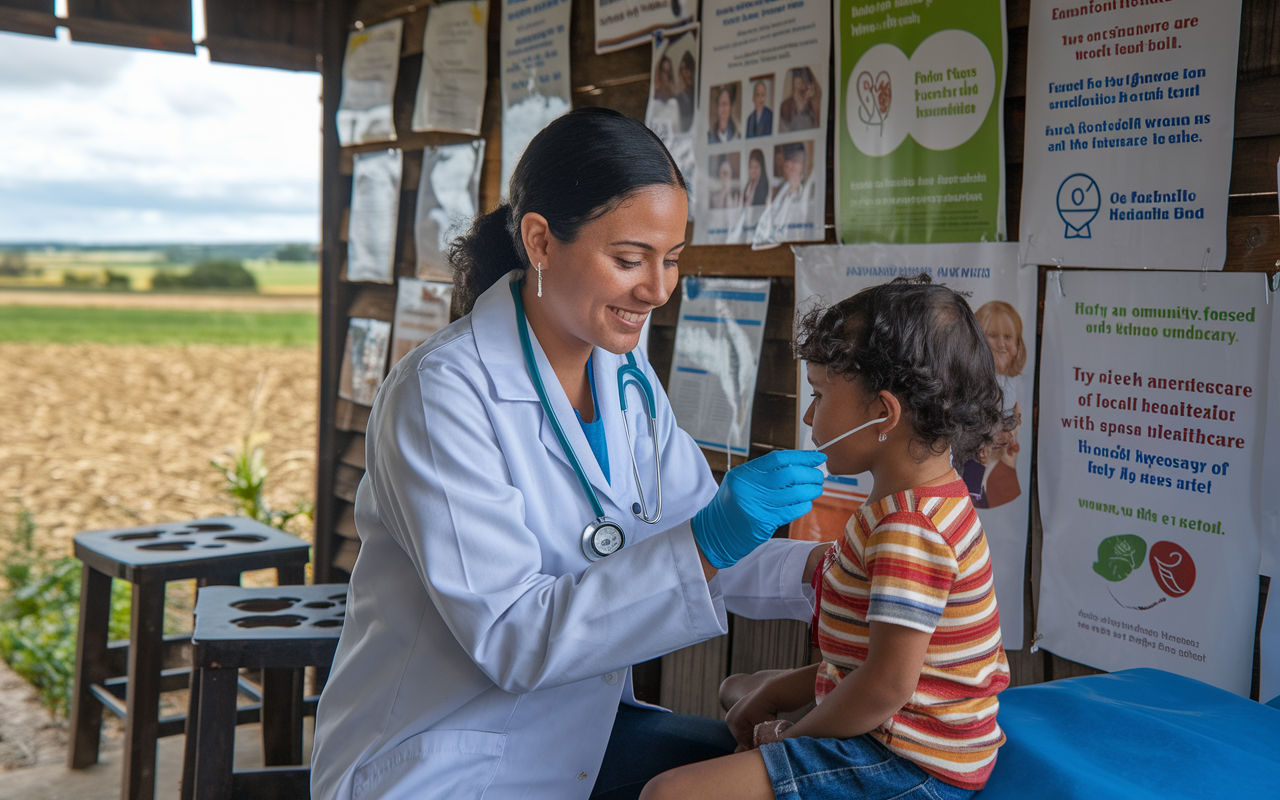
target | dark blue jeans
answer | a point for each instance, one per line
(645, 743)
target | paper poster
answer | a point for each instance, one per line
(375, 205)
(717, 355)
(673, 91)
(448, 201)
(1003, 298)
(920, 121)
(1269, 639)
(422, 308)
(1152, 401)
(535, 74)
(453, 79)
(369, 71)
(627, 23)
(761, 134)
(364, 360)
(1130, 123)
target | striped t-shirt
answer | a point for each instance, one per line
(919, 559)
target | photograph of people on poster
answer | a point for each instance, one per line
(802, 107)
(672, 89)
(724, 168)
(760, 122)
(789, 212)
(992, 476)
(743, 98)
(725, 109)
(756, 192)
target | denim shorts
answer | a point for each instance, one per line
(843, 769)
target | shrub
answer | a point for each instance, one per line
(116, 281)
(79, 279)
(220, 273)
(294, 252)
(39, 611)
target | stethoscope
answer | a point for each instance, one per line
(602, 536)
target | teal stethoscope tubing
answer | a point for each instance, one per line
(628, 374)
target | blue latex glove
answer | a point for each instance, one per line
(754, 500)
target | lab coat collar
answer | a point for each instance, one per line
(493, 325)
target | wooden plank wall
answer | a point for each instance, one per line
(686, 680)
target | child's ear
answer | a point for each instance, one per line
(886, 405)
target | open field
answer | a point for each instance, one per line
(47, 271)
(155, 326)
(102, 436)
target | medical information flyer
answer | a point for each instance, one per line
(1152, 416)
(920, 121)
(1130, 125)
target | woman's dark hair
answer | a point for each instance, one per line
(920, 341)
(576, 170)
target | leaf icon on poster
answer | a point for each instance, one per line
(1119, 555)
(1173, 568)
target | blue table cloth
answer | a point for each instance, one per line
(1135, 734)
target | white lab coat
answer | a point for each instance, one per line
(482, 654)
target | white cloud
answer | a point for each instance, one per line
(101, 144)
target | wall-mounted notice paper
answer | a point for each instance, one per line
(448, 199)
(375, 204)
(1152, 401)
(920, 121)
(762, 123)
(1130, 124)
(535, 74)
(369, 83)
(627, 23)
(717, 356)
(422, 308)
(1269, 640)
(364, 361)
(454, 57)
(673, 92)
(1003, 298)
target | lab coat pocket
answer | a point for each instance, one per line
(450, 764)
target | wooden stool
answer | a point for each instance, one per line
(212, 551)
(279, 630)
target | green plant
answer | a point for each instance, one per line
(39, 611)
(245, 469)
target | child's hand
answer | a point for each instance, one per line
(753, 709)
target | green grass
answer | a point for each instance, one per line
(156, 327)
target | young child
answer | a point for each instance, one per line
(991, 475)
(906, 614)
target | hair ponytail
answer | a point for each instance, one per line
(482, 256)
(577, 169)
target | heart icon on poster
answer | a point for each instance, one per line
(875, 95)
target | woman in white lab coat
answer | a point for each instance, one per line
(484, 653)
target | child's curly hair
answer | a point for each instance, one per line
(920, 341)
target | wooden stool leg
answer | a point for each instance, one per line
(191, 744)
(91, 666)
(215, 731)
(138, 779)
(281, 717)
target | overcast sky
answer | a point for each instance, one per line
(112, 145)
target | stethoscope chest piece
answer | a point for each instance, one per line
(602, 537)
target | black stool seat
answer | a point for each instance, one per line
(178, 551)
(128, 677)
(279, 629)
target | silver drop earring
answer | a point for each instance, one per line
(539, 279)
(884, 436)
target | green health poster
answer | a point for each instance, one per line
(920, 121)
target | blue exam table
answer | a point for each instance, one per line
(1139, 734)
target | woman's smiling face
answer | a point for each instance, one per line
(600, 288)
(1003, 340)
(724, 107)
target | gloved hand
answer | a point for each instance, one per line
(754, 500)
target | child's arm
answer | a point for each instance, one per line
(767, 694)
(872, 693)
